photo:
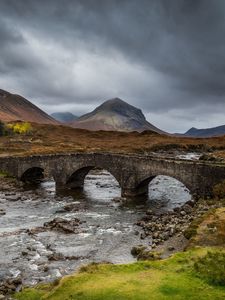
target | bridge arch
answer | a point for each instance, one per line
(142, 187)
(32, 174)
(76, 179)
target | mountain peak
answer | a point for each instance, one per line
(114, 102)
(116, 115)
(121, 107)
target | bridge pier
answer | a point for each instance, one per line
(75, 185)
(133, 192)
(136, 188)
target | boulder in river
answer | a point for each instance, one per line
(10, 285)
(64, 225)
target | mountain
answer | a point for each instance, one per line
(115, 115)
(14, 107)
(207, 132)
(64, 117)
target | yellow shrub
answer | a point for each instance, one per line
(21, 128)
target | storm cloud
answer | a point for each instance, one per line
(165, 57)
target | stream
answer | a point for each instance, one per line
(106, 233)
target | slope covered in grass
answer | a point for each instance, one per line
(174, 278)
(210, 231)
(61, 139)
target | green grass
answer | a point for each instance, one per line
(174, 278)
(212, 267)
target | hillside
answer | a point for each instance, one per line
(60, 139)
(115, 115)
(207, 132)
(14, 107)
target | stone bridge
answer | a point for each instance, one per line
(133, 172)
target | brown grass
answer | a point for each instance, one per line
(211, 230)
(59, 139)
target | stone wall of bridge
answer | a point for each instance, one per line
(133, 172)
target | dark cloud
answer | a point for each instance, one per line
(10, 39)
(167, 57)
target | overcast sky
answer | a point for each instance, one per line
(166, 57)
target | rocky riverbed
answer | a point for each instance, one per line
(170, 230)
(45, 235)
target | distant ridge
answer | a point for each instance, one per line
(207, 132)
(115, 115)
(64, 117)
(14, 107)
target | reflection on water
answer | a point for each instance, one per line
(106, 234)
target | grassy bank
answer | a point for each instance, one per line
(174, 278)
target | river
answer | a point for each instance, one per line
(107, 232)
